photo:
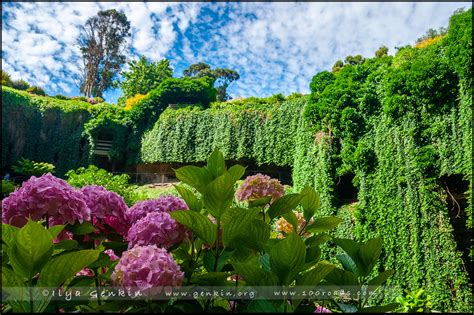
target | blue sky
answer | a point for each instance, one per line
(276, 47)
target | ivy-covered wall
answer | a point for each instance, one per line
(44, 129)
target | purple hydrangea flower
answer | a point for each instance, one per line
(147, 268)
(162, 204)
(45, 196)
(320, 309)
(259, 186)
(156, 228)
(106, 207)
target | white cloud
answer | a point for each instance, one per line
(276, 47)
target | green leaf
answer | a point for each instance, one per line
(236, 172)
(315, 275)
(209, 260)
(216, 163)
(260, 202)
(310, 202)
(8, 233)
(219, 195)
(381, 278)
(32, 248)
(324, 224)
(66, 245)
(103, 261)
(284, 204)
(237, 225)
(318, 239)
(350, 247)
(55, 230)
(210, 278)
(81, 228)
(287, 256)
(342, 278)
(313, 253)
(347, 263)
(191, 200)
(369, 253)
(253, 274)
(261, 306)
(117, 247)
(11, 279)
(380, 309)
(14, 286)
(197, 177)
(198, 223)
(65, 266)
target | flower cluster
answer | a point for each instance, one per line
(156, 228)
(44, 196)
(259, 186)
(145, 268)
(284, 226)
(162, 204)
(107, 207)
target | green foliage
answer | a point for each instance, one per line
(221, 77)
(186, 90)
(29, 250)
(6, 79)
(36, 90)
(381, 52)
(144, 76)
(44, 129)
(239, 238)
(97, 176)
(31, 168)
(415, 302)
(21, 85)
(7, 187)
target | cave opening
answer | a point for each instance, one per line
(345, 192)
(456, 188)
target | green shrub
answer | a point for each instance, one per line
(20, 84)
(97, 176)
(186, 90)
(36, 90)
(7, 187)
(62, 97)
(31, 168)
(415, 302)
(6, 79)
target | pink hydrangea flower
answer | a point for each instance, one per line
(85, 272)
(147, 268)
(111, 254)
(259, 186)
(161, 204)
(43, 196)
(320, 309)
(156, 228)
(107, 207)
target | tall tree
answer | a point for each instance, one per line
(222, 77)
(102, 41)
(144, 76)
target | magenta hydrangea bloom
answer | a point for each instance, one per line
(106, 207)
(156, 228)
(259, 186)
(45, 196)
(162, 204)
(320, 309)
(111, 254)
(146, 268)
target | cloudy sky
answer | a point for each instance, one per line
(276, 47)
